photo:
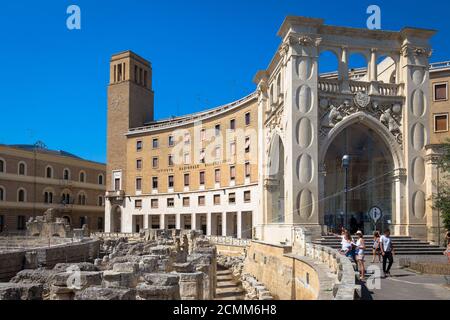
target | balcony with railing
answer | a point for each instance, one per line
(117, 194)
(336, 86)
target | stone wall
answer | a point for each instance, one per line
(13, 262)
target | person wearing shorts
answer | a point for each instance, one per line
(360, 247)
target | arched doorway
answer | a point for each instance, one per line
(368, 181)
(275, 182)
(116, 219)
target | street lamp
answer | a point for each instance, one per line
(346, 164)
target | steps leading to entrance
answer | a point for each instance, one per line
(403, 245)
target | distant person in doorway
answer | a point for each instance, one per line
(376, 247)
(447, 251)
(387, 251)
(360, 247)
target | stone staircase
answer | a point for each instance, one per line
(227, 287)
(403, 245)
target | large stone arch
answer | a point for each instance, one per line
(393, 155)
(274, 181)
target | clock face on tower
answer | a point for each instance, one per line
(115, 101)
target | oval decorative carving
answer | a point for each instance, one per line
(304, 133)
(419, 204)
(418, 170)
(418, 76)
(418, 103)
(304, 99)
(418, 136)
(304, 68)
(305, 168)
(305, 203)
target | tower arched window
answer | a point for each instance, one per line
(49, 172)
(82, 199)
(100, 179)
(2, 165)
(48, 197)
(82, 176)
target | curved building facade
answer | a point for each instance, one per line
(257, 167)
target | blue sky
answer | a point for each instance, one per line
(204, 54)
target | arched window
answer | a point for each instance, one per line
(82, 176)
(65, 197)
(100, 179)
(82, 199)
(66, 174)
(49, 172)
(21, 195)
(22, 169)
(2, 165)
(2, 193)
(48, 197)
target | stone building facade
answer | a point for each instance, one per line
(272, 160)
(34, 179)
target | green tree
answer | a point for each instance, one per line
(442, 199)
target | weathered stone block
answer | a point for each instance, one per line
(113, 279)
(152, 292)
(161, 279)
(126, 267)
(99, 293)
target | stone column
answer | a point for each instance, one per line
(435, 228)
(415, 74)
(399, 219)
(224, 224)
(178, 221)
(239, 224)
(208, 224)
(162, 221)
(193, 221)
(373, 72)
(343, 70)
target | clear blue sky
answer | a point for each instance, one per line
(204, 53)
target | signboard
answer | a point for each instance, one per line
(375, 214)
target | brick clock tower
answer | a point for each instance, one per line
(130, 105)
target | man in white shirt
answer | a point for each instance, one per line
(386, 251)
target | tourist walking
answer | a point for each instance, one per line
(360, 247)
(348, 246)
(376, 249)
(387, 252)
(447, 251)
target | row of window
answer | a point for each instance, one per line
(21, 222)
(22, 170)
(186, 181)
(187, 136)
(201, 201)
(440, 122)
(48, 197)
(187, 156)
(440, 91)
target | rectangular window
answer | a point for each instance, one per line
(187, 138)
(232, 173)
(155, 143)
(170, 160)
(100, 223)
(139, 164)
(138, 184)
(116, 184)
(217, 130)
(217, 176)
(155, 162)
(247, 144)
(202, 178)
(232, 198)
(217, 199)
(440, 122)
(201, 201)
(232, 124)
(247, 170)
(203, 135)
(155, 183)
(202, 156)
(170, 202)
(186, 179)
(187, 158)
(218, 153)
(440, 91)
(20, 222)
(233, 148)
(138, 204)
(154, 203)
(171, 141)
(170, 181)
(247, 196)
(138, 145)
(186, 202)
(247, 119)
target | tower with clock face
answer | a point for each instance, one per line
(130, 105)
